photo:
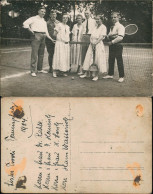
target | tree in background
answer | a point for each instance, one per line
(14, 12)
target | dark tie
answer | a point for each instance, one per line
(77, 34)
(87, 28)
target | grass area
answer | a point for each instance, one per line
(14, 61)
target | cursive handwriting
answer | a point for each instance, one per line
(64, 184)
(48, 163)
(57, 125)
(40, 158)
(12, 158)
(11, 179)
(55, 184)
(39, 127)
(53, 137)
(24, 125)
(47, 181)
(49, 126)
(39, 181)
(66, 162)
(11, 137)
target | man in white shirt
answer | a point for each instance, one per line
(115, 36)
(38, 28)
(88, 26)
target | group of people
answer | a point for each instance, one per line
(86, 46)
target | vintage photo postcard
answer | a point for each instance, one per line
(73, 145)
(76, 48)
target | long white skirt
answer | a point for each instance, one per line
(61, 58)
(100, 58)
(76, 57)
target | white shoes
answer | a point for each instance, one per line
(95, 78)
(42, 71)
(33, 75)
(54, 74)
(65, 75)
(121, 79)
(80, 73)
(108, 77)
(83, 76)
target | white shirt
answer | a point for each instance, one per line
(91, 25)
(36, 23)
(119, 31)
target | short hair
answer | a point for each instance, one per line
(117, 13)
(65, 14)
(42, 7)
(101, 17)
(53, 11)
(79, 15)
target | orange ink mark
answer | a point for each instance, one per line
(16, 109)
(139, 110)
(18, 167)
(136, 173)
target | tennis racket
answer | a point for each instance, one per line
(131, 29)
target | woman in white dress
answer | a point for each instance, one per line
(76, 49)
(61, 58)
(96, 43)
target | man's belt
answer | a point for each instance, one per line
(40, 32)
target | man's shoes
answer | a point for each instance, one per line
(83, 76)
(33, 75)
(95, 78)
(121, 79)
(108, 77)
(42, 71)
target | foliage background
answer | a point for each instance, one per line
(137, 12)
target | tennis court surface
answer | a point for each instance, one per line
(17, 81)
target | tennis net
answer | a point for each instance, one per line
(15, 53)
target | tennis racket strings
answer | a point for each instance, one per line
(131, 29)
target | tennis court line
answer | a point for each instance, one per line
(15, 75)
(18, 74)
(15, 51)
(7, 49)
